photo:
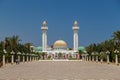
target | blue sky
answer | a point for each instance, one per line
(98, 19)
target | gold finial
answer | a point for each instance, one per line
(44, 24)
(75, 23)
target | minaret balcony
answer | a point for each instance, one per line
(75, 28)
(44, 28)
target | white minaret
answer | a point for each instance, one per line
(44, 29)
(75, 29)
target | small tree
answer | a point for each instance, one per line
(80, 54)
(43, 55)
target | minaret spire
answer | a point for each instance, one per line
(75, 37)
(44, 24)
(75, 23)
(44, 29)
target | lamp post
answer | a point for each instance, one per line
(23, 54)
(89, 57)
(19, 53)
(108, 52)
(27, 57)
(96, 56)
(34, 57)
(101, 55)
(86, 57)
(4, 56)
(93, 56)
(12, 58)
(30, 57)
(82, 57)
(116, 56)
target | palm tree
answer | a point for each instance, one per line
(116, 35)
(28, 45)
(14, 41)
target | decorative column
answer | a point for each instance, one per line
(82, 57)
(85, 57)
(116, 56)
(23, 54)
(37, 58)
(116, 59)
(89, 57)
(3, 59)
(93, 56)
(101, 56)
(27, 57)
(4, 56)
(96, 56)
(12, 57)
(33, 57)
(19, 53)
(108, 61)
(44, 29)
(30, 57)
(75, 29)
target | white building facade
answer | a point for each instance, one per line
(60, 50)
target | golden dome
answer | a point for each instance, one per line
(60, 43)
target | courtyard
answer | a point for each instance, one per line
(60, 70)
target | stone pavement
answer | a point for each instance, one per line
(60, 70)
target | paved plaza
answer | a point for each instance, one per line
(60, 70)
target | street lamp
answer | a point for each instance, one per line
(19, 53)
(36, 57)
(4, 52)
(33, 57)
(86, 56)
(93, 56)
(101, 55)
(96, 56)
(23, 54)
(108, 52)
(12, 58)
(116, 56)
(27, 57)
(89, 57)
(30, 57)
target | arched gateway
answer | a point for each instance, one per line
(60, 50)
